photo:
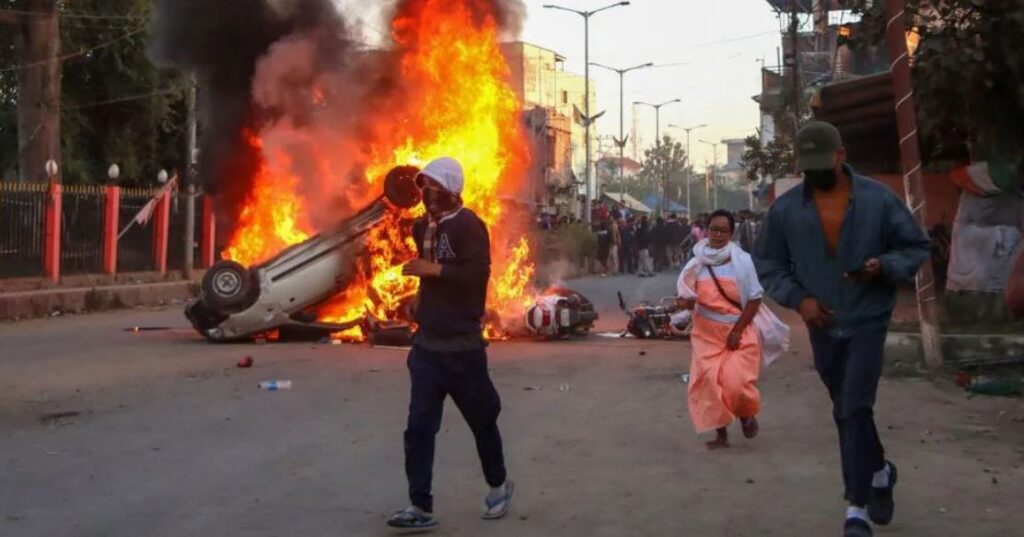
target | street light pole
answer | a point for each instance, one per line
(714, 168)
(689, 160)
(621, 142)
(586, 91)
(657, 142)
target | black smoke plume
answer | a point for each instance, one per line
(221, 41)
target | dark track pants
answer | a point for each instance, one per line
(463, 375)
(851, 368)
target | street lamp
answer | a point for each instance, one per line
(689, 157)
(161, 177)
(657, 115)
(621, 142)
(51, 170)
(586, 84)
(113, 172)
(714, 167)
(657, 141)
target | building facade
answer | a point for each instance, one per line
(540, 81)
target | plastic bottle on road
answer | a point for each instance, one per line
(275, 385)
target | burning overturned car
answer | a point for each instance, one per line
(237, 302)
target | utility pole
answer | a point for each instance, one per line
(588, 119)
(913, 183)
(37, 42)
(190, 179)
(689, 162)
(621, 140)
(657, 143)
(794, 34)
(714, 169)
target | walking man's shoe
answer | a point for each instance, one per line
(882, 506)
(413, 518)
(856, 527)
(497, 503)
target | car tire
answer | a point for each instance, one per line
(400, 187)
(226, 285)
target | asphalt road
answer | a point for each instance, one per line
(164, 436)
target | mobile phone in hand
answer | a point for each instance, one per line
(856, 273)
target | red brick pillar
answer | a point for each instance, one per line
(161, 232)
(208, 238)
(111, 212)
(51, 231)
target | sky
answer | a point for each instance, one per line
(718, 76)
(709, 51)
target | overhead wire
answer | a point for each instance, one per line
(71, 15)
(82, 52)
(118, 100)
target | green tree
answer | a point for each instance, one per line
(773, 160)
(664, 166)
(117, 106)
(968, 74)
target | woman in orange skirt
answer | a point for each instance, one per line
(720, 284)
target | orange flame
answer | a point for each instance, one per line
(455, 101)
(273, 218)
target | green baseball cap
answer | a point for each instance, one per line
(817, 143)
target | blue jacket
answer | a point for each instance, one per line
(793, 260)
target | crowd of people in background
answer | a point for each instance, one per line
(646, 245)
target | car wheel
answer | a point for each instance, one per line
(226, 285)
(400, 187)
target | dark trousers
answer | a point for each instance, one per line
(627, 259)
(851, 368)
(463, 375)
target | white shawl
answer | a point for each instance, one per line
(773, 332)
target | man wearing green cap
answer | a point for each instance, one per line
(834, 250)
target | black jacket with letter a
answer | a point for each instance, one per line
(454, 304)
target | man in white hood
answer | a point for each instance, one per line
(449, 355)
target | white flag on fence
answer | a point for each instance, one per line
(142, 218)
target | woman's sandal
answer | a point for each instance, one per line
(750, 427)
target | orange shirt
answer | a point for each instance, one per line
(832, 207)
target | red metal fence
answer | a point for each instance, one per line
(49, 230)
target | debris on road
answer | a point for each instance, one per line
(532, 388)
(983, 385)
(387, 333)
(55, 417)
(245, 362)
(684, 378)
(137, 329)
(392, 348)
(275, 385)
